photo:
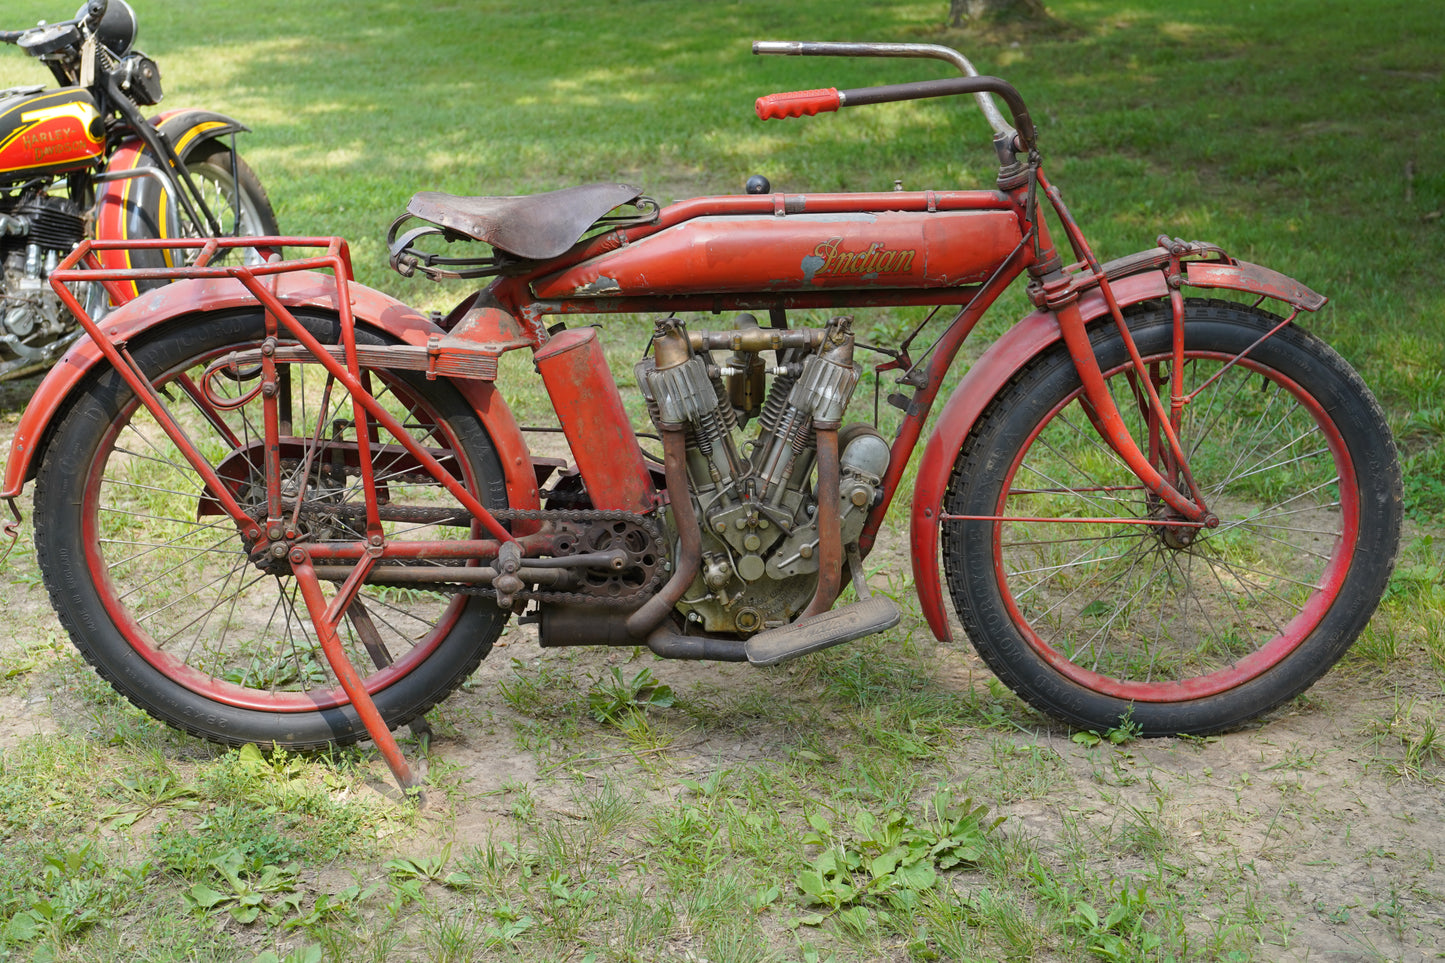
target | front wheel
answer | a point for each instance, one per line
(230, 190)
(1096, 604)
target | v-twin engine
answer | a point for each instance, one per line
(757, 503)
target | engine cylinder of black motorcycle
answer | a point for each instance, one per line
(51, 223)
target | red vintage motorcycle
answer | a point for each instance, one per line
(82, 159)
(275, 506)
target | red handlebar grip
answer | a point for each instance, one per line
(797, 103)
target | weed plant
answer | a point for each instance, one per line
(600, 806)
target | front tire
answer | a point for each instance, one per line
(1080, 595)
(230, 190)
(161, 592)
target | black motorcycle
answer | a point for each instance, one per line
(82, 158)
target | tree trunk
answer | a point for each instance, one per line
(958, 10)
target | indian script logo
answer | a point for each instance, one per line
(832, 259)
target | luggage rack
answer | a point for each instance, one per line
(261, 280)
(84, 264)
(471, 360)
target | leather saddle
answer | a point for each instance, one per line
(534, 227)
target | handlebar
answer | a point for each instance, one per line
(94, 13)
(797, 103)
(88, 16)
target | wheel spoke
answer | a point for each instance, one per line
(1184, 611)
(177, 570)
(1117, 611)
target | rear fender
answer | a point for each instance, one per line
(135, 207)
(1006, 356)
(152, 311)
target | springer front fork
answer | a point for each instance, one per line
(1164, 468)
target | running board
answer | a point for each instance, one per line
(821, 631)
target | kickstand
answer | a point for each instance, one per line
(325, 623)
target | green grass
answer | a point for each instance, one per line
(1303, 136)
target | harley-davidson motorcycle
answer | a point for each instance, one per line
(81, 159)
(275, 506)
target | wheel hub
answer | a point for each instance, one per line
(1179, 536)
(1177, 533)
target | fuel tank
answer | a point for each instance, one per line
(48, 133)
(730, 254)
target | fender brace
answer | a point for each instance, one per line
(1147, 275)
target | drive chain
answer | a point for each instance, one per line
(590, 531)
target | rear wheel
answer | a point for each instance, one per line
(1096, 603)
(161, 591)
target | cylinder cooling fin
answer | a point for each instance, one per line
(55, 223)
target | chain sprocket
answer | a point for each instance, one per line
(583, 531)
(579, 532)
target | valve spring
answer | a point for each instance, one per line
(802, 435)
(728, 417)
(703, 433)
(776, 403)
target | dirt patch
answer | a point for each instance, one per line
(1315, 823)
(22, 717)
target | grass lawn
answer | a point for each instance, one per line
(574, 816)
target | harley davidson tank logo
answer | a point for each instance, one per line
(51, 135)
(831, 259)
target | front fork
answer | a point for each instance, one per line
(1054, 288)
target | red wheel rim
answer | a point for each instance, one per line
(1278, 647)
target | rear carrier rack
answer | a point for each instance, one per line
(327, 274)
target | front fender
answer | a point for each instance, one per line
(165, 305)
(188, 126)
(1006, 356)
(134, 207)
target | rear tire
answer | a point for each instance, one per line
(158, 588)
(1175, 629)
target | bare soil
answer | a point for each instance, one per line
(1316, 820)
